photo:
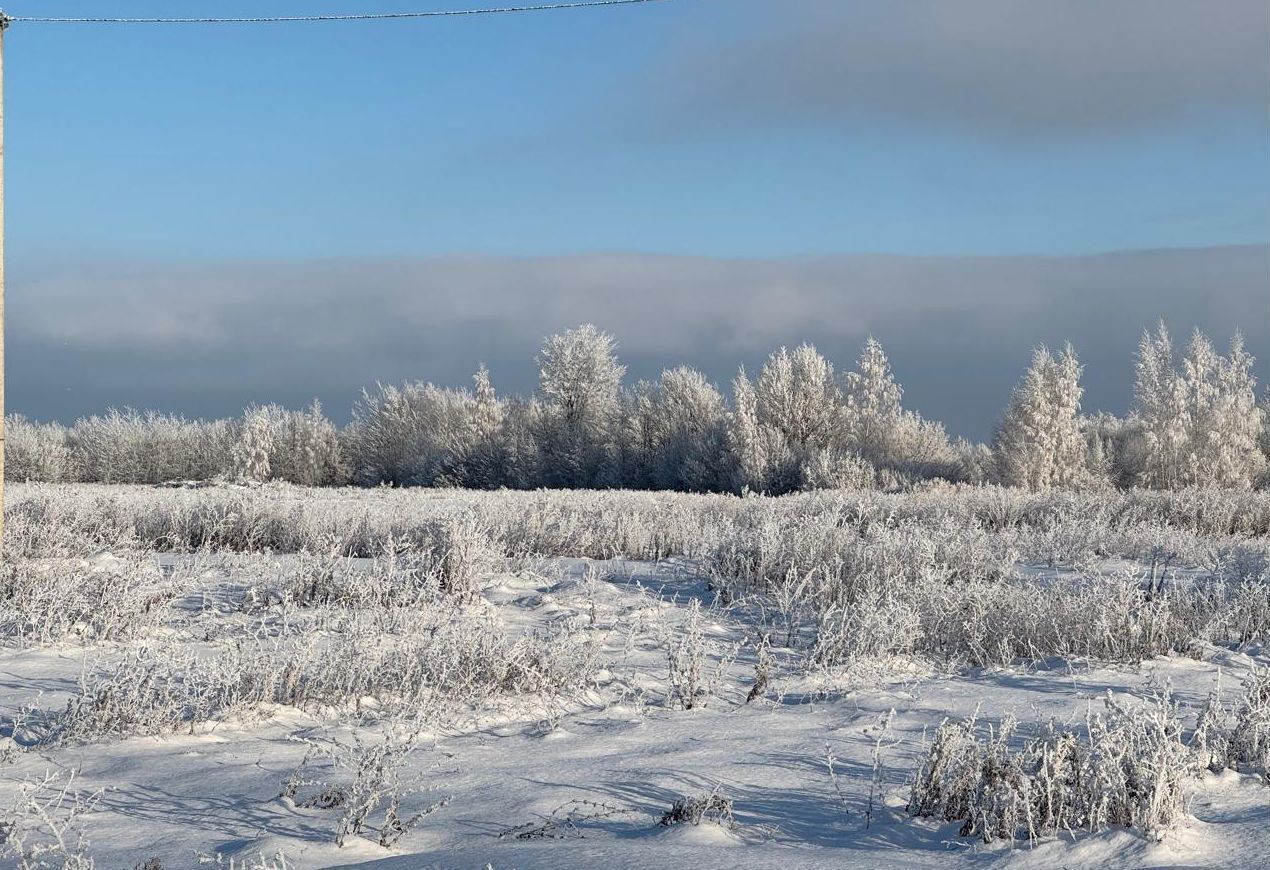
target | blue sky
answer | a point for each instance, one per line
(557, 133)
(730, 130)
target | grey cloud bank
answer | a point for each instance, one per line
(1022, 67)
(205, 339)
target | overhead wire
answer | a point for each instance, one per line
(355, 16)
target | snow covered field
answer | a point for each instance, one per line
(249, 677)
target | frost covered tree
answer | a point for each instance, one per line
(877, 428)
(674, 433)
(787, 422)
(747, 443)
(307, 448)
(579, 381)
(1224, 418)
(413, 435)
(488, 412)
(1161, 405)
(874, 416)
(1038, 443)
(250, 456)
(797, 395)
(488, 463)
(1199, 423)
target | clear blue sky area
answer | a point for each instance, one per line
(690, 126)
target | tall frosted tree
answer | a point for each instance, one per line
(250, 454)
(307, 448)
(787, 422)
(579, 380)
(1161, 405)
(687, 428)
(797, 395)
(488, 414)
(1200, 422)
(674, 433)
(746, 440)
(1039, 444)
(488, 461)
(873, 413)
(1241, 457)
(1223, 416)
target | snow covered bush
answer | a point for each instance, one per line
(1247, 746)
(250, 455)
(301, 447)
(132, 447)
(40, 830)
(712, 807)
(1127, 767)
(365, 780)
(414, 435)
(425, 656)
(36, 451)
(690, 663)
(105, 599)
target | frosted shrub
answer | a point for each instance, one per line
(874, 627)
(413, 435)
(327, 577)
(39, 830)
(711, 807)
(58, 523)
(462, 550)
(695, 663)
(364, 780)
(833, 469)
(36, 451)
(449, 555)
(687, 662)
(132, 447)
(1111, 619)
(439, 659)
(109, 599)
(1248, 744)
(1233, 613)
(1125, 768)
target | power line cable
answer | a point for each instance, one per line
(292, 19)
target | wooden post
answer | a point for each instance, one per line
(4, 25)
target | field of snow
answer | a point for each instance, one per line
(278, 677)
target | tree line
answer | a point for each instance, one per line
(796, 425)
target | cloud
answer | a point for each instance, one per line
(1015, 67)
(207, 339)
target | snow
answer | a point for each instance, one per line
(616, 745)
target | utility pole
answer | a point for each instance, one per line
(4, 25)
